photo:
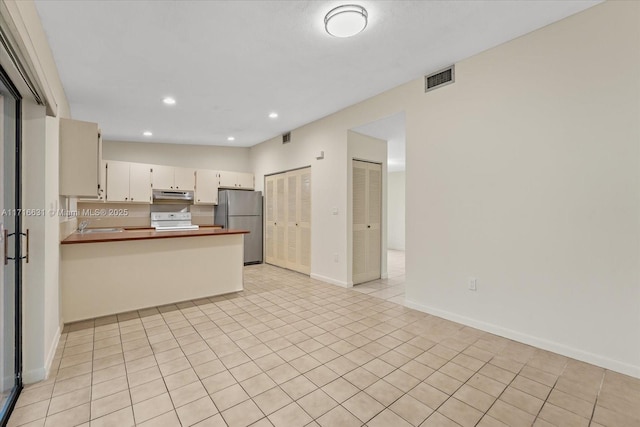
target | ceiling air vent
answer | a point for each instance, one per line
(440, 78)
(286, 137)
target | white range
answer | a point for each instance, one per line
(172, 221)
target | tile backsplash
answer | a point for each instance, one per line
(136, 215)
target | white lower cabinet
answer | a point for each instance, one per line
(128, 182)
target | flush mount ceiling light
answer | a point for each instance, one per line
(231, 138)
(346, 20)
(169, 100)
(147, 133)
(273, 115)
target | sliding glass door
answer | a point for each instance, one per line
(10, 265)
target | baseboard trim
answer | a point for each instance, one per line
(52, 352)
(584, 356)
(330, 280)
(43, 372)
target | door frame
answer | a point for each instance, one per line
(382, 208)
(17, 388)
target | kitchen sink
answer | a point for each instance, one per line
(101, 230)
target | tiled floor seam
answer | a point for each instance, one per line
(595, 404)
(505, 389)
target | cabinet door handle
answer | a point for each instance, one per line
(368, 226)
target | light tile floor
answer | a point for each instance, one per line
(291, 351)
(391, 288)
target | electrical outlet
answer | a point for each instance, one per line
(335, 257)
(473, 284)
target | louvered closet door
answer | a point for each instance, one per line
(270, 220)
(367, 214)
(281, 221)
(304, 221)
(293, 198)
(288, 220)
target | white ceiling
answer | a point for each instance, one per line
(230, 63)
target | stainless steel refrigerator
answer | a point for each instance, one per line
(241, 209)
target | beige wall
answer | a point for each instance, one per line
(396, 210)
(523, 174)
(41, 311)
(182, 155)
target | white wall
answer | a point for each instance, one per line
(41, 313)
(368, 148)
(396, 209)
(41, 318)
(524, 174)
(182, 155)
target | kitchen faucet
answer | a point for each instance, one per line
(83, 224)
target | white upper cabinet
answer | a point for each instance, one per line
(80, 154)
(128, 182)
(117, 181)
(206, 187)
(139, 182)
(173, 178)
(162, 177)
(236, 180)
(184, 179)
(245, 180)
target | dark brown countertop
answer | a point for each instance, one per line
(145, 234)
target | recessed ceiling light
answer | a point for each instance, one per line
(231, 138)
(273, 115)
(147, 133)
(169, 100)
(346, 20)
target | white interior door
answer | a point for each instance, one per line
(304, 221)
(281, 220)
(293, 197)
(367, 214)
(270, 220)
(288, 220)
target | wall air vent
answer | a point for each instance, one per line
(286, 137)
(440, 78)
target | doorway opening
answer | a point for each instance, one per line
(393, 130)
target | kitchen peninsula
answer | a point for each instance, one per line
(114, 272)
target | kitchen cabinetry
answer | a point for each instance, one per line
(102, 185)
(206, 192)
(80, 154)
(184, 178)
(236, 180)
(367, 217)
(173, 178)
(288, 220)
(128, 182)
